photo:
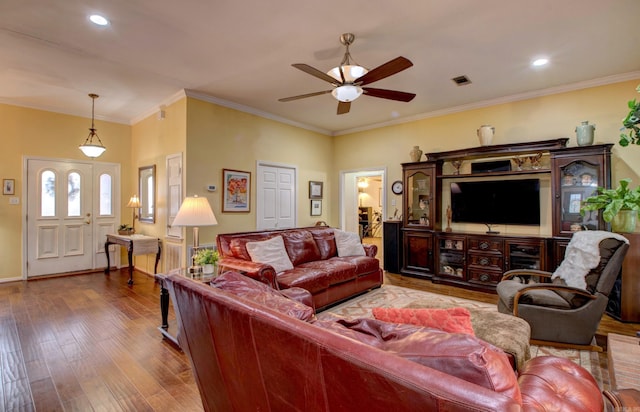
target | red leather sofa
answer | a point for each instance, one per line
(316, 264)
(253, 349)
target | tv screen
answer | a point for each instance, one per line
(511, 202)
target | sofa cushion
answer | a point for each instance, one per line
(271, 252)
(240, 285)
(457, 354)
(301, 247)
(348, 244)
(326, 242)
(453, 320)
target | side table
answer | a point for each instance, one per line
(164, 301)
(136, 245)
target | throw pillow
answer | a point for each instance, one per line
(348, 244)
(453, 320)
(270, 252)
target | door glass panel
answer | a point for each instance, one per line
(419, 192)
(48, 194)
(579, 180)
(105, 195)
(73, 195)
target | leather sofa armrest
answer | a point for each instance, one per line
(370, 250)
(299, 295)
(258, 271)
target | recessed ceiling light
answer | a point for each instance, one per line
(540, 62)
(99, 20)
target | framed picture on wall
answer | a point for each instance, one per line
(315, 190)
(316, 207)
(236, 192)
(8, 186)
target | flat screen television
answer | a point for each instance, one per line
(510, 202)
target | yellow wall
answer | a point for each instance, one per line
(541, 118)
(37, 133)
(222, 138)
(153, 139)
(214, 137)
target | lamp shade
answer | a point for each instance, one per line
(195, 211)
(134, 202)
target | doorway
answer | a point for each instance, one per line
(70, 207)
(363, 204)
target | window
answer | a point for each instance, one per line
(106, 199)
(48, 194)
(73, 195)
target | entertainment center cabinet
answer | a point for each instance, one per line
(476, 260)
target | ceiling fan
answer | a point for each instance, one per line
(349, 78)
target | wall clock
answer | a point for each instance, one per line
(396, 187)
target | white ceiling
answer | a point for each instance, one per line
(240, 53)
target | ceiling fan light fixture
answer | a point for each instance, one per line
(351, 73)
(347, 92)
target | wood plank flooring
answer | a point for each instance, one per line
(89, 342)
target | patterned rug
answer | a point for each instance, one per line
(399, 297)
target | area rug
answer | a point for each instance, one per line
(390, 296)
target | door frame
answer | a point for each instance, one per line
(24, 188)
(348, 187)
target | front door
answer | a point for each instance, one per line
(71, 206)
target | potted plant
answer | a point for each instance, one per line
(632, 123)
(207, 258)
(125, 229)
(620, 206)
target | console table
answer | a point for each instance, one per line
(136, 245)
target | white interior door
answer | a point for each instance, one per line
(71, 206)
(276, 197)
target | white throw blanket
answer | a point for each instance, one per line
(582, 255)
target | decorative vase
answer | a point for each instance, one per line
(485, 134)
(415, 154)
(624, 221)
(584, 133)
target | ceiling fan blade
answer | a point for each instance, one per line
(302, 96)
(344, 107)
(388, 94)
(389, 68)
(315, 72)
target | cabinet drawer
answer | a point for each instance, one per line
(487, 261)
(484, 276)
(485, 245)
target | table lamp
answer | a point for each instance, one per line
(195, 211)
(134, 203)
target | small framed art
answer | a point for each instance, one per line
(236, 191)
(315, 190)
(8, 186)
(316, 207)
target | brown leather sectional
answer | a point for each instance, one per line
(317, 266)
(254, 349)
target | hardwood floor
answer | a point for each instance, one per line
(90, 342)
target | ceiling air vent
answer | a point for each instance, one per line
(461, 80)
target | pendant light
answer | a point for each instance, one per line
(89, 148)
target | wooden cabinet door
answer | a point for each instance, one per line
(576, 174)
(418, 253)
(421, 205)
